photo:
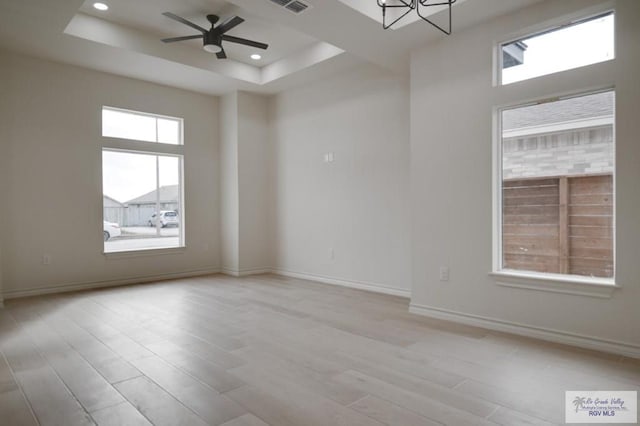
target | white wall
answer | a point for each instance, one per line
(5, 111)
(359, 204)
(229, 206)
(253, 183)
(244, 184)
(52, 167)
(3, 179)
(1, 291)
(452, 97)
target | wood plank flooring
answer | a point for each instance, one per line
(268, 350)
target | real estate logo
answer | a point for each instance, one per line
(601, 407)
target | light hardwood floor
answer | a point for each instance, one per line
(267, 350)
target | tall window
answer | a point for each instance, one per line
(557, 186)
(142, 161)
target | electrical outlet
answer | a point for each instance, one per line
(46, 259)
(444, 273)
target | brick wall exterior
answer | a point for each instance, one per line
(578, 152)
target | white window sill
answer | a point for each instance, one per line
(144, 252)
(557, 283)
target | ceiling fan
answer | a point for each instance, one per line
(212, 39)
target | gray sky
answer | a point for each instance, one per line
(128, 175)
(571, 47)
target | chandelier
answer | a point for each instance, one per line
(404, 7)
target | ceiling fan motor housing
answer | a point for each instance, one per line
(212, 42)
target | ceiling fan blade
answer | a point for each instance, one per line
(184, 21)
(244, 41)
(221, 55)
(228, 24)
(171, 40)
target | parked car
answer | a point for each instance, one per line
(166, 218)
(111, 230)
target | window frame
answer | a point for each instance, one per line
(180, 121)
(136, 146)
(558, 283)
(548, 27)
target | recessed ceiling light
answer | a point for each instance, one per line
(101, 6)
(256, 57)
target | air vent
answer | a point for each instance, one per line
(293, 6)
(297, 6)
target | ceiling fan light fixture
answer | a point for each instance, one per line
(404, 7)
(100, 6)
(212, 38)
(212, 48)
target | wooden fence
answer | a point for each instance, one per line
(559, 225)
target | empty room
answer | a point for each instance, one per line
(319, 212)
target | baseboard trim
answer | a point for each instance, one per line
(360, 285)
(556, 336)
(14, 294)
(245, 272)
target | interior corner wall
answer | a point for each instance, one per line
(1, 293)
(244, 183)
(3, 168)
(5, 111)
(52, 160)
(253, 183)
(229, 186)
(452, 101)
(345, 221)
(3, 180)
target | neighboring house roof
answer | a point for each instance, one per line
(580, 108)
(169, 193)
(110, 202)
(513, 54)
